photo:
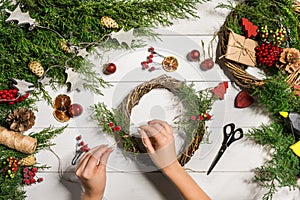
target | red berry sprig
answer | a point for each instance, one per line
(201, 117)
(83, 147)
(276, 37)
(11, 96)
(113, 127)
(29, 176)
(267, 54)
(10, 166)
(146, 64)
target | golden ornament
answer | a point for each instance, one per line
(36, 68)
(27, 161)
(108, 22)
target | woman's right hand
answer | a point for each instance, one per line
(158, 139)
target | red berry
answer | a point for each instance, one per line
(118, 128)
(200, 117)
(208, 116)
(111, 124)
(193, 117)
(78, 137)
(151, 49)
(34, 169)
(40, 180)
(32, 180)
(152, 69)
(81, 143)
(25, 169)
(150, 61)
(3, 96)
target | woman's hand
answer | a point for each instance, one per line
(91, 170)
(158, 139)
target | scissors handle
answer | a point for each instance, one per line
(231, 134)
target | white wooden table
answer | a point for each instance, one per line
(230, 179)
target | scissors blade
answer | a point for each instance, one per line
(217, 158)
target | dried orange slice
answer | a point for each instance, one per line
(170, 64)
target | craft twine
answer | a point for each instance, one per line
(17, 141)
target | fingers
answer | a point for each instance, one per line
(105, 156)
(92, 159)
(164, 124)
(146, 141)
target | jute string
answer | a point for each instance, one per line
(17, 141)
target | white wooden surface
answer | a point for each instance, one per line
(231, 178)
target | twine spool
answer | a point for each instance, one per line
(17, 141)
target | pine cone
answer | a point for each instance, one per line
(36, 68)
(64, 46)
(290, 56)
(21, 119)
(108, 22)
(27, 161)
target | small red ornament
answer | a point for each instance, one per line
(207, 64)
(194, 55)
(249, 28)
(243, 100)
(109, 68)
(75, 110)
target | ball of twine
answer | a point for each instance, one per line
(133, 98)
(17, 141)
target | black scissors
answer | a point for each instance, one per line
(230, 135)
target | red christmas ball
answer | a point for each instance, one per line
(75, 110)
(207, 64)
(194, 55)
(109, 68)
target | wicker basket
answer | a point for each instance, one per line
(237, 71)
(133, 98)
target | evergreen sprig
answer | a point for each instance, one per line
(276, 95)
(283, 168)
(195, 103)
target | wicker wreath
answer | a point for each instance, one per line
(237, 71)
(133, 98)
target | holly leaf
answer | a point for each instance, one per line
(123, 37)
(18, 15)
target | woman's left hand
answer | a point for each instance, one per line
(91, 170)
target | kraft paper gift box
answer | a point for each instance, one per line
(241, 49)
